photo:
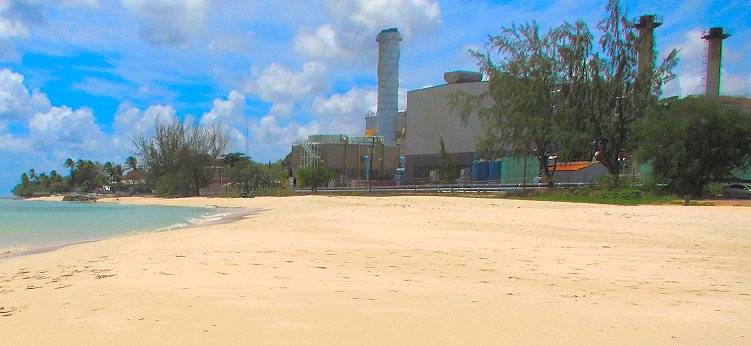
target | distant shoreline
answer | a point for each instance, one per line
(224, 215)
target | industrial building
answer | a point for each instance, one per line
(405, 145)
(430, 119)
(377, 154)
(351, 157)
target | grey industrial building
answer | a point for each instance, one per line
(429, 119)
(407, 142)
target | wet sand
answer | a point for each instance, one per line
(404, 270)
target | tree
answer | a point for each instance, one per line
(69, 163)
(179, 158)
(86, 176)
(618, 95)
(251, 175)
(448, 163)
(694, 141)
(131, 163)
(114, 174)
(552, 94)
(534, 86)
(315, 177)
(230, 159)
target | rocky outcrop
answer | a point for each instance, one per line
(79, 198)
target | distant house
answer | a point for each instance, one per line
(578, 171)
(136, 182)
(134, 178)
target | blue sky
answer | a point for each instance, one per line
(79, 78)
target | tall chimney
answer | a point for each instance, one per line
(388, 84)
(714, 56)
(646, 25)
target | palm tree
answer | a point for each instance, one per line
(107, 168)
(69, 163)
(131, 163)
(33, 174)
(45, 181)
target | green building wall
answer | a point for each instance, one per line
(512, 170)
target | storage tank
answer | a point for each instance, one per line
(388, 84)
(484, 170)
(462, 77)
(494, 172)
(480, 170)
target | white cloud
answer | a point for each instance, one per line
(63, 127)
(267, 131)
(735, 85)
(277, 84)
(15, 17)
(169, 21)
(324, 43)
(85, 3)
(409, 15)
(16, 102)
(12, 28)
(345, 112)
(230, 43)
(10, 143)
(357, 22)
(131, 121)
(227, 112)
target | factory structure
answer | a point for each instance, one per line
(403, 146)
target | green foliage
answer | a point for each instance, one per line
(184, 153)
(694, 141)
(171, 185)
(626, 196)
(230, 159)
(554, 93)
(448, 163)
(315, 177)
(254, 176)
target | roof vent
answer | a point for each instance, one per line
(462, 77)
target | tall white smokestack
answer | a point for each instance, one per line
(388, 84)
(714, 57)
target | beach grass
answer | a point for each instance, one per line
(626, 196)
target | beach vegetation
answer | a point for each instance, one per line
(230, 159)
(621, 196)
(315, 176)
(694, 141)
(131, 163)
(448, 163)
(85, 176)
(561, 94)
(180, 158)
(255, 178)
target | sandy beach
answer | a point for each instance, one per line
(396, 270)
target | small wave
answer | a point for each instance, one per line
(13, 250)
(210, 217)
(168, 228)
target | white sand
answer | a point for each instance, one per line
(397, 270)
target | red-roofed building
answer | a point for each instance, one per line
(578, 171)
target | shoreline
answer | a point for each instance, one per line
(222, 215)
(403, 269)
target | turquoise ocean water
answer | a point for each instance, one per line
(35, 225)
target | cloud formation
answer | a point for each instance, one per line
(16, 102)
(275, 83)
(131, 121)
(169, 21)
(355, 23)
(63, 127)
